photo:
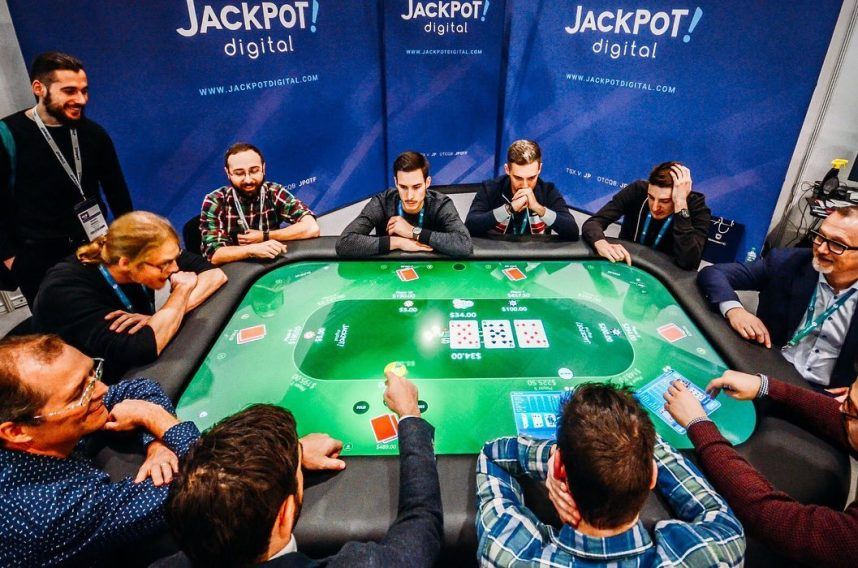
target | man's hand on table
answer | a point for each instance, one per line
(613, 252)
(740, 386)
(407, 245)
(682, 404)
(251, 236)
(320, 452)
(400, 396)
(749, 326)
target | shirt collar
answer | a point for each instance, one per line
(826, 286)
(291, 547)
(632, 542)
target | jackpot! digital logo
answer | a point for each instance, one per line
(271, 19)
(641, 23)
(451, 17)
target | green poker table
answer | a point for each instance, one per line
(492, 342)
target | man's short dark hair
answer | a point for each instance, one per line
(45, 64)
(660, 175)
(410, 161)
(238, 148)
(606, 441)
(231, 485)
(19, 402)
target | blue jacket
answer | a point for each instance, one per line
(786, 280)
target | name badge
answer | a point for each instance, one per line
(91, 218)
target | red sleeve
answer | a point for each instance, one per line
(815, 412)
(810, 534)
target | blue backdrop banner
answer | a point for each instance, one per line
(443, 83)
(175, 82)
(612, 88)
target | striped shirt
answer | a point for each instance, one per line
(220, 222)
(705, 533)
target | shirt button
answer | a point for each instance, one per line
(816, 350)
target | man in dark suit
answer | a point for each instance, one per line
(237, 498)
(807, 300)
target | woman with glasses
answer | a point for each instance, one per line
(102, 300)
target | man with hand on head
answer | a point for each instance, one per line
(410, 217)
(238, 495)
(807, 301)
(56, 508)
(599, 473)
(806, 534)
(242, 220)
(102, 300)
(53, 161)
(520, 202)
(661, 212)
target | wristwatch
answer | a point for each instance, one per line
(265, 236)
(415, 233)
(684, 213)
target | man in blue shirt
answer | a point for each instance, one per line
(599, 473)
(56, 508)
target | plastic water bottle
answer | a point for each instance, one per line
(752, 255)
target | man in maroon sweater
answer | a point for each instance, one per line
(809, 534)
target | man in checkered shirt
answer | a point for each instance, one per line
(599, 473)
(242, 220)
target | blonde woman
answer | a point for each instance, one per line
(102, 300)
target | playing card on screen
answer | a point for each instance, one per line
(249, 334)
(531, 334)
(464, 334)
(384, 428)
(497, 334)
(514, 273)
(407, 274)
(672, 332)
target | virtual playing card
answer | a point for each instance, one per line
(514, 273)
(536, 413)
(249, 334)
(497, 334)
(672, 332)
(464, 334)
(385, 428)
(651, 396)
(407, 274)
(530, 334)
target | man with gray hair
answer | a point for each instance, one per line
(807, 304)
(519, 202)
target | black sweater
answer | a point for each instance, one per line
(73, 300)
(40, 206)
(684, 241)
(443, 229)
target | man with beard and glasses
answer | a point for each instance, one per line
(242, 220)
(807, 300)
(52, 162)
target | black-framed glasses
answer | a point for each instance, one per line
(94, 376)
(836, 247)
(163, 266)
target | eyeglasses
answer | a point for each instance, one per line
(163, 266)
(835, 247)
(94, 376)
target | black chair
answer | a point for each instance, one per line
(191, 235)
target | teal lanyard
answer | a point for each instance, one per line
(401, 213)
(660, 233)
(810, 323)
(129, 307)
(524, 223)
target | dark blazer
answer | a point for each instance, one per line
(786, 280)
(481, 218)
(414, 538)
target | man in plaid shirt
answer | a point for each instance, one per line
(599, 473)
(242, 220)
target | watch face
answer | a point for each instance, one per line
(685, 213)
